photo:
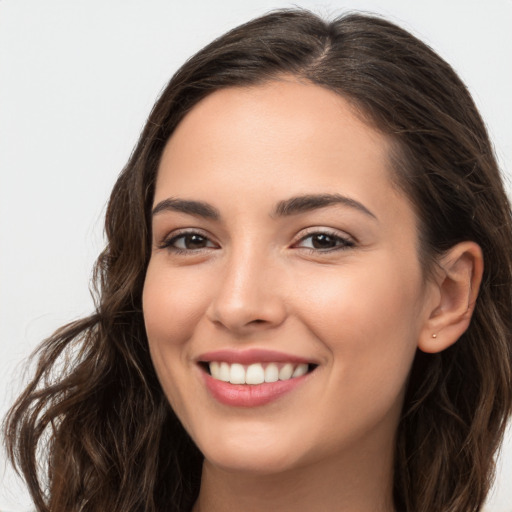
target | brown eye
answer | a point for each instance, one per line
(193, 242)
(188, 242)
(324, 242)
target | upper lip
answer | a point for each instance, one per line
(250, 356)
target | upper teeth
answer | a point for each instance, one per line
(255, 373)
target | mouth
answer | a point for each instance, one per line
(252, 378)
(256, 373)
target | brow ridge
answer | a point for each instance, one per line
(287, 207)
(302, 204)
(190, 207)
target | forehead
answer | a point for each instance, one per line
(279, 138)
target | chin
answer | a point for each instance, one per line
(253, 461)
(255, 454)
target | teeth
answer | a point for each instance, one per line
(220, 371)
(271, 373)
(255, 373)
(237, 374)
(224, 372)
(301, 370)
(286, 372)
(215, 369)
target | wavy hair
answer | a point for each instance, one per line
(95, 408)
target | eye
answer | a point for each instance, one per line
(324, 241)
(187, 242)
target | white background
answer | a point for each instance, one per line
(77, 80)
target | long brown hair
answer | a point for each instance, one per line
(95, 406)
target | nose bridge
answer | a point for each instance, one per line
(248, 292)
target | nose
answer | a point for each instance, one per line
(250, 294)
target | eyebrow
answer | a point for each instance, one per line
(302, 204)
(198, 208)
(293, 206)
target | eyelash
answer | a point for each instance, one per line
(168, 242)
(342, 243)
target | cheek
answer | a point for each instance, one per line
(379, 293)
(173, 303)
(369, 318)
(172, 307)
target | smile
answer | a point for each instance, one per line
(256, 373)
(252, 378)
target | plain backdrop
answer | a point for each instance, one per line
(77, 81)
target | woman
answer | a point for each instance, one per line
(305, 301)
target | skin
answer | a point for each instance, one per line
(359, 309)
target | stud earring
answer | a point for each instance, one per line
(434, 335)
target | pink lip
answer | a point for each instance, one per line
(250, 356)
(247, 395)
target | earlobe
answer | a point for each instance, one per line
(457, 286)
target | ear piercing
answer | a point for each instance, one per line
(434, 335)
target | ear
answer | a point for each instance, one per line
(456, 285)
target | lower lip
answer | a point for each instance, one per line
(249, 395)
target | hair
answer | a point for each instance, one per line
(95, 407)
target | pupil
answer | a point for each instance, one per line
(322, 241)
(195, 241)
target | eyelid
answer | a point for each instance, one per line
(348, 240)
(170, 238)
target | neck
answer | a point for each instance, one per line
(344, 483)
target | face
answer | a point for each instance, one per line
(284, 296)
